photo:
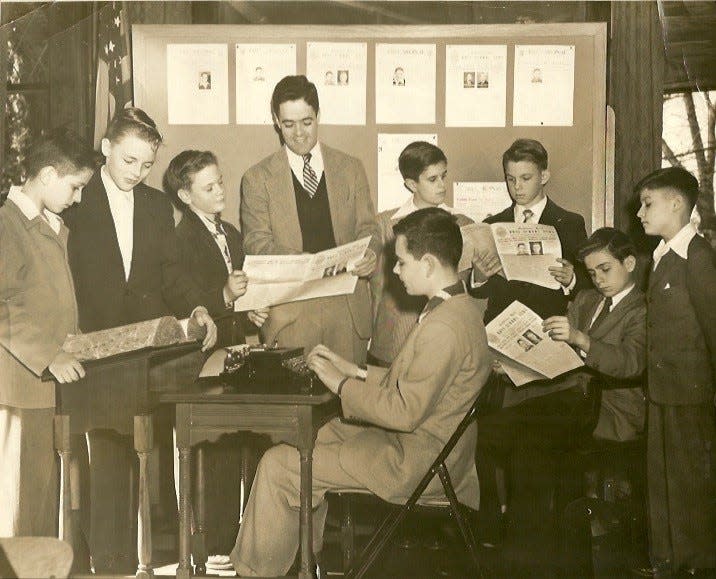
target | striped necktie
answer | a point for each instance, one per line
(310, 180)
(222, 241)
(527, 215)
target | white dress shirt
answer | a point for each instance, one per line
(296, 162)
(30, 209)
(679, 244)
(537, 210)
(409, 207)
(121, 205)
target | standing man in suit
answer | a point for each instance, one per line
(123, 253)
(308, 197)
(414, 407)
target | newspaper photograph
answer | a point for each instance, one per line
(517, 334)
(527, 250)
(279, 279)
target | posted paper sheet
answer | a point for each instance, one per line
(516, 334)
(279, 279)
(391, 190)
(544, 86)
(339, 71)
(258, 68)
(405, 83)
(480, 200)
(198, 84)
(475, 85)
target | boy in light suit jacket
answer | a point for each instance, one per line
(415, 406)
(681, 444)
(37, 311)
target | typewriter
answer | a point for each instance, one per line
(269, 365)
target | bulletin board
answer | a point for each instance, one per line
(577, 154)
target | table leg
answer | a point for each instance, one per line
(199, 543)
(62, 446)
(143, 444)
(306, 514)
(184, 568)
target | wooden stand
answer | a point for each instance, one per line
(120, 393)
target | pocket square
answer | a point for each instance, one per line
(667, 286)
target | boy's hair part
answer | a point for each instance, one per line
(293, 88)
(610, 239)
(676, 178)
(417, 157)
(181, 170)
(432, 230)
(526, 150)
(134, 121)
(62, 149)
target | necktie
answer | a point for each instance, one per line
(527, 215)
(602, 314)
(220, 236)
(310, 180)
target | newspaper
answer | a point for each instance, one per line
(525, 351)
(474, 236)
(279, 279)
(526, 251)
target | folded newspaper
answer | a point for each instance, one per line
(279, 279)
(525, 250)
(524, 350)
(164, 331)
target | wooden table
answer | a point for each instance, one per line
(290, 413)
(119, 393)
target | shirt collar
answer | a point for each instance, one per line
(620, 296)
(206, 219)
(29, 208)
(679, 244)
(537, 210)
(296, 161)
(409, 207)
(442, 296)
(111, 187)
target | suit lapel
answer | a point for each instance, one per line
(280, 188)
(660, 273)
(142, 223)
(616, 315)
(204, 237)
(587, 312)
(550, 215)
(332, 171)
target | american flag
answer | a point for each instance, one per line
(114, 80)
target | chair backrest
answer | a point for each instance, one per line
(35, 557)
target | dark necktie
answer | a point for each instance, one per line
(527, 215)
(310, 180)
(220, 236)
(602, 314)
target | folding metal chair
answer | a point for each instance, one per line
(388, 526)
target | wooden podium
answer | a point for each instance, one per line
(120, 393)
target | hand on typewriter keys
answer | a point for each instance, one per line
(330, 367)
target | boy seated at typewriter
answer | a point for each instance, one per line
(413, 407)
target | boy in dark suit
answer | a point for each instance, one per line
(527, 173)
(681, 453)
(210, 249)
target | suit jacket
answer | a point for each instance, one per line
(201, 258)
(37, 306)
(544, 301)
(617, 352)
(682, 327)
(417, 404)
(269, 222)
(157, 285)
